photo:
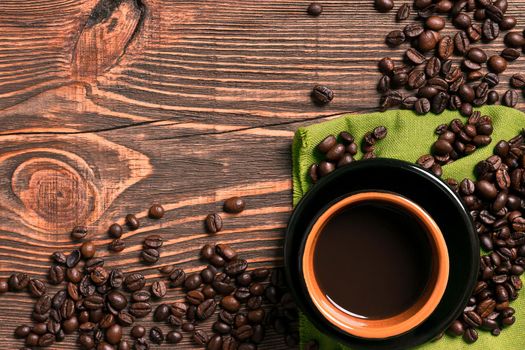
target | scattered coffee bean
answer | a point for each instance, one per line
(213, 223)
(156, 211)
(79, 232)
(315, 9)
(322, 94)
(234, 205)
(115, 230)
(384, 5)
(132, 222)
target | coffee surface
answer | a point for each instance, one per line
(373, 260)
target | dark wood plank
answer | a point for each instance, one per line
(110, 106)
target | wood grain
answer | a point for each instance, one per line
(108, 106)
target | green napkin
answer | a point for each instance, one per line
(410, 136)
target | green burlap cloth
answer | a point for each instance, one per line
(410, 136)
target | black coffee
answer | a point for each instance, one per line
(373, 260)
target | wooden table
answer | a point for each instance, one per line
(108, 106)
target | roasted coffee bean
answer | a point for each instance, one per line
(132, 222)
(243, 333)
(474, 76)
(422, 106)
(314, 9)
(456, 328)
(195, 297)
(208, 274)
(93, 263)
(200, 337)
(79, 232)
(156, 211)
(88, 250)
(193, 281)
(497, 64)
(517, 80)
(213, 223)
(230, 304)
(435, 23)
(415, 56)
(125, 319)
(156, 335)
(134, 282)
(226, 251)
(461, 42)
(229, 343)
(22, 331)
(403, 12)
(384, 5)
(117, 245)
(439, 102)
(386, 66)
(234, 205)
(235, 267)
(427, 11)
(141, 344)
(490, 29)
(325, 145)
(177, 278)
(43, 304)
(514, 39)
(510, 98)
(242, 294)
(427, 40)
(116, 278)
(492, 97)
(222, 327)
(140, 310)
(475, 32)
(18, 282)
(472, 319)
(99, 275)
(173, 337)
(138, 332)
(321, 95)
(114, 334)
(56, 274)
(153, 242)
(115, 230)
(117, 300)
(150, 255)
(461, 21)
(167, 270)
(413, 30)
(59, 258)
(470, 335)
(206, 309)
(37, 288)
(510, 54)
(433, 67)
(395, 38)
(256, 316)
(445, 47)
(158, 289)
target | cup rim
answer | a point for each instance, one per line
(397, 324)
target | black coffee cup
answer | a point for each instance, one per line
(400, 180)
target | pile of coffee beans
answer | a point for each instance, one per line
(339, 153)
(151, 249)
(438, 78)
(98, 303)
(457, 140)
(496, 201)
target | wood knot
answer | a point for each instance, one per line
(107, 33)
(65, 180)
